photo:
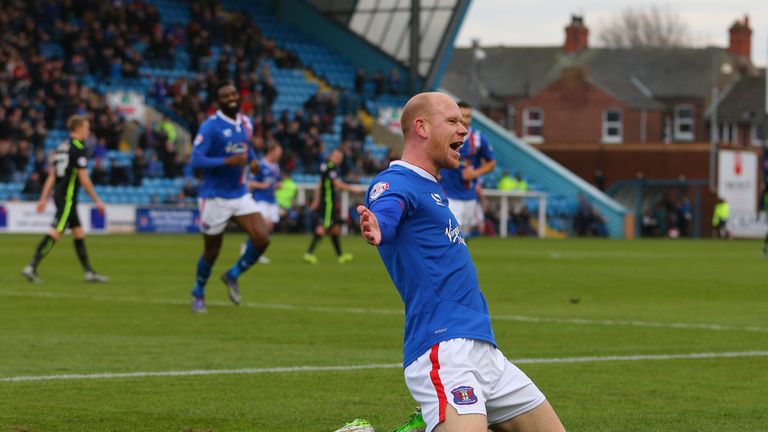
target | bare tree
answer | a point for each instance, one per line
(654, 26)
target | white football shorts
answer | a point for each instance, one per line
(467, 213)
(215, 212)
(472, 376)
(269, 211)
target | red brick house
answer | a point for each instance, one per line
(577, 95)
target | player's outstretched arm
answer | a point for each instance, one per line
(369, 225)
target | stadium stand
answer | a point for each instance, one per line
(299, 92)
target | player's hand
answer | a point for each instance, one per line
(240, 159)
(369, 225)
(255, 168)
(41, 205)
(313, 205)
(468, 174)
(100, 206)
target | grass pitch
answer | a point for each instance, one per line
(565, 308)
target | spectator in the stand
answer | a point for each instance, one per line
(7, 165)
(378, 83)
(118, 174)
(154, 167)
(21, 159)
(138, 166)
(584, 216)
(99, 149)
(99, 175)
(393, 82)
(32, 187)
(268, 91)
(40, 164)
(360, 81)
(506, 182)
(520, 183)
(168, 130)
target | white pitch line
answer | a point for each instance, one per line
(366, 311)
(341, 368)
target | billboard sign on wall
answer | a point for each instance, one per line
(738, 184)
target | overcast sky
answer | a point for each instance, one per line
(541, 23)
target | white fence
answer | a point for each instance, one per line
(504, 197)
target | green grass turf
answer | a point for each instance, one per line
(302, 315)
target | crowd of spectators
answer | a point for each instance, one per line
(38, 83)
(47, 48)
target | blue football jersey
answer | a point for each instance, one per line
(473, 152)
(218, 138)
(270, 173)
(429, 263)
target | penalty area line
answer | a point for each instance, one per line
(347, 368)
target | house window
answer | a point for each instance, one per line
(728, 134)
(683, 123)
(533, 120)
(612, 130)
(758, 135)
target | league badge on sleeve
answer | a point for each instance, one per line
(198, 139)
(464, 395)
(377, 190)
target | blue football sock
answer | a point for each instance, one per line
(246, 260)
(203, 273)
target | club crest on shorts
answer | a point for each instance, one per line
(464, 395)
(378, 189)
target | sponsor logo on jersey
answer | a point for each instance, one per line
(438, 199)
(378, 189)
(464, 395)
(234, 148)
(454, 233)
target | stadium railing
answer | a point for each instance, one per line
(505, 197)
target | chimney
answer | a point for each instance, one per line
(575, 35)
(740, 42)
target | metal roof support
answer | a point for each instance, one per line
(415, 52)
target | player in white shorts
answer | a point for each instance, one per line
(263, 184)
(452, 365)
(473, 377)
(223, 150)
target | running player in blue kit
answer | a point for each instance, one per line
(453, 368)
(223, 149)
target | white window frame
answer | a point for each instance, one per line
(618, 124)
(729, 133)
(528, 122)
(679, 134)
(725, 133)
(754, 139)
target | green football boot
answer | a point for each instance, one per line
(414, 424)
(357, 425)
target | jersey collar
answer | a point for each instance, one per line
(414, 168)
(234, 122)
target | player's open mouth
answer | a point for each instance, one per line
(455, 146)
